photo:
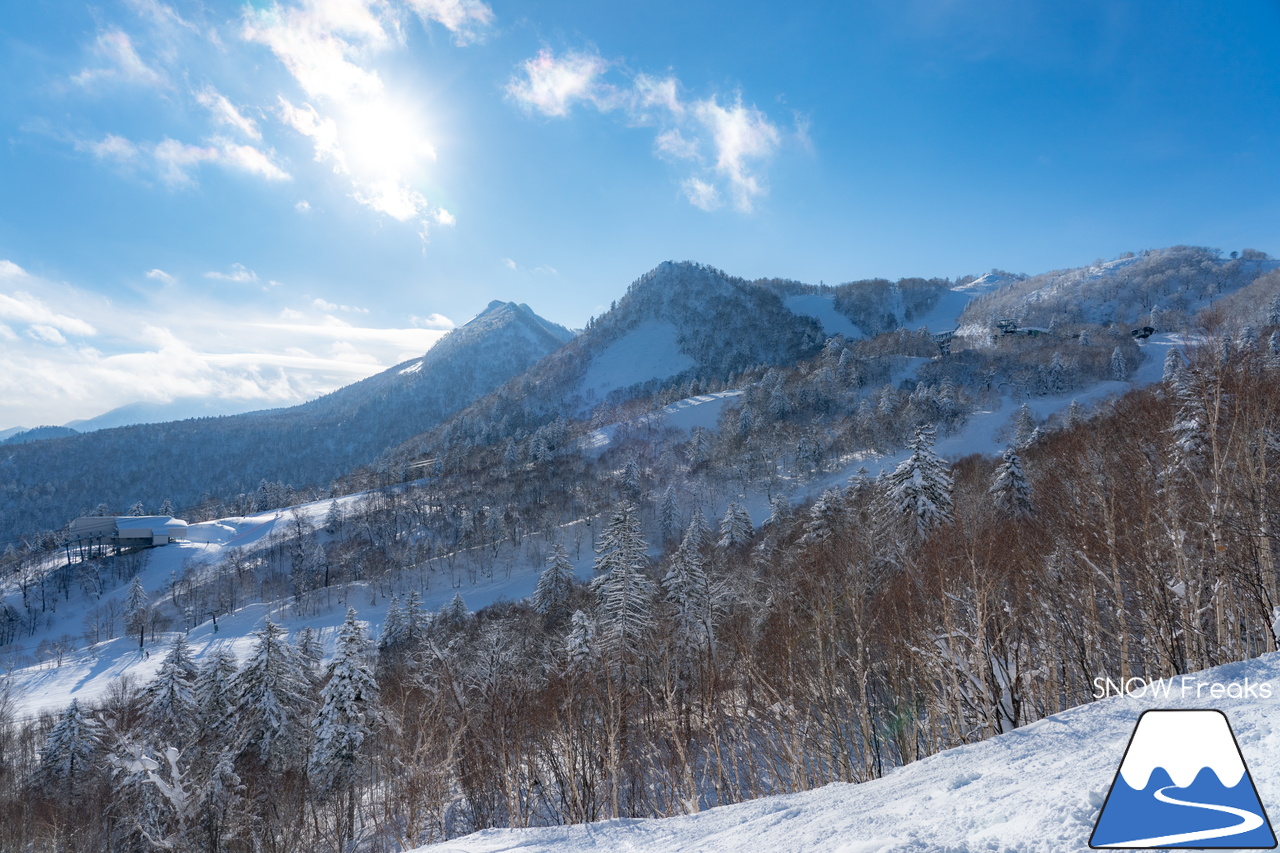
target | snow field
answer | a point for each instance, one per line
(1036, 789)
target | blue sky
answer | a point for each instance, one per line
(263, 201)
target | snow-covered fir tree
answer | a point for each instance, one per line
(273, 701)
(822, 516)
(348, 713)
(395, 628)
(1119, 367)
(416, 617)
(669, 514)
(1024, 426)
(698, 533)
(920, 487)
(1172, 365)
(736, 528)
(555, 585)
(687, 588)
(1191, 423)
(621, 544)
(1010, 489)
(333, 518)
(453, 615)
(70, 752)
(170, 697)
(311, 648)
(213, 693)
(779, 511)
(136, 608)
(626, 609)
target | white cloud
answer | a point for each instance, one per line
(161, 276)
(239, 274)
(226, 113)
(45, 334)
(552, 85)
(739, 139)
(701, 194)
(466, 19)
(664, 93)
(27, 309)
(248, 159)
(742, 136)
(123, 63)
(318, 40)
(154, 351)
(325, 305)
(672, 144)
(432, 321)
(393, 198)
(8, 269)
(363, 133)
(303, 206)
(176, 161)
(112, 147)
(511, 265)
(323, 133)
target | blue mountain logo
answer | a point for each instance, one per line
(1183, 783)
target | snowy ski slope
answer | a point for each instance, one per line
(1037, 789)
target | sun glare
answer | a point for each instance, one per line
(383, 137)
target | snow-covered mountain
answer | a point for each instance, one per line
(734, 539)
(1163, 288)
(40, 433)
(180, 409)
(45, 484)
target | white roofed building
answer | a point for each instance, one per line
(92, 536)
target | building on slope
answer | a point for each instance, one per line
(90, 537)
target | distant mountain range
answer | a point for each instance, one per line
(679, 328)
(45, 483)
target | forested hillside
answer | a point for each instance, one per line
(793, 559)
(221, 462)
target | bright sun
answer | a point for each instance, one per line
(383, 138)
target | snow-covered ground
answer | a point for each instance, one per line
(822, 308)
(1037, 788)
(649, 351)
(700, 411)
(88, 673)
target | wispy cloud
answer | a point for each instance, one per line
(71, 353)
(466, 19)
(325, 305)
(432, 321)
(175, 163)
(225, 112)
(728, 144)
(239, 274)
(122, 63)
(354, 124)
(551, 85)
(161, 276)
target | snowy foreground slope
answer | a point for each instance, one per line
(1037, 788)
